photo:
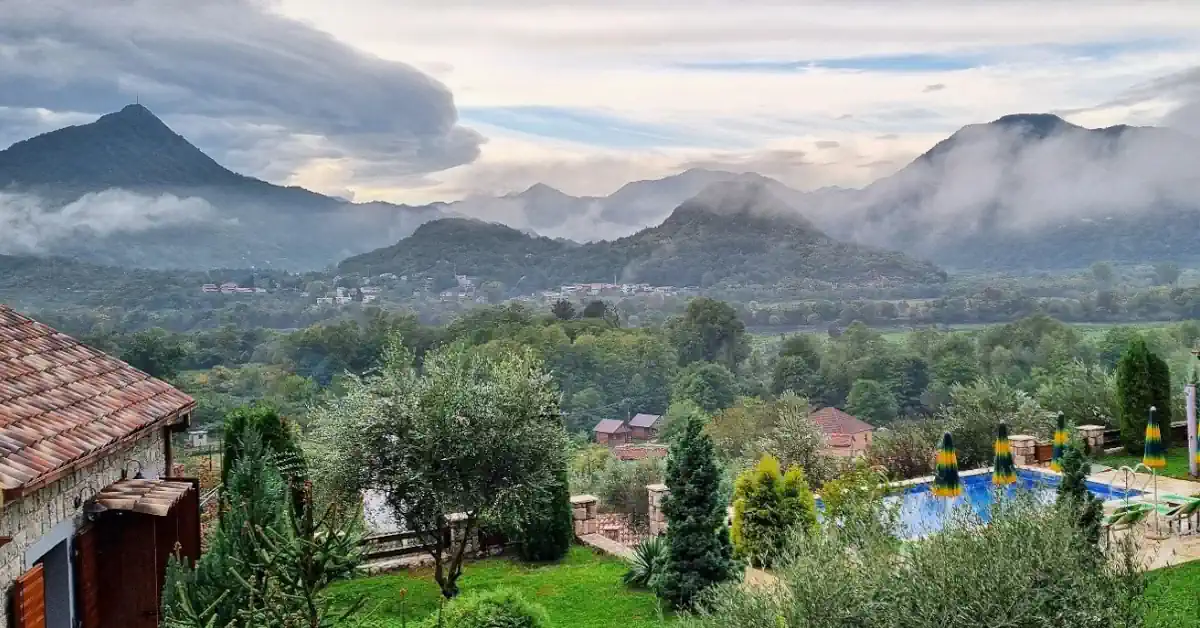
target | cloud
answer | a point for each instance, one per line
(248, 82)
(935, 87)
(28, 224)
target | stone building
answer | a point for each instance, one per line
(87, 514)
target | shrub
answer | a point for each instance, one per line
(768, 507)
(646, 562)
(855, 499)
(1029, 567)
(498, 608)
(547, 531)
(1135, 393)
(1085, 509)
(905, 449)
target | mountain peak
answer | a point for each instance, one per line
(1040, 125)
(542, 191)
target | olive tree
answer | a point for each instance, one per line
(472, 439)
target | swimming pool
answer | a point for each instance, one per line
(921, 513)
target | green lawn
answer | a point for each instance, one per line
(584, 590)
(1173, 597)
(1177, 462)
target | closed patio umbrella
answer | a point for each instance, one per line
(1004, 472)
(1060, 443)
(945, 479)
(1154, 456)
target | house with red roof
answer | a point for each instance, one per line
(847, 435)
(644, 427)
(612, 432)
(89, 512)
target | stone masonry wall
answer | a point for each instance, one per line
(29, 519)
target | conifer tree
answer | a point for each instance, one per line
(1135, 393)
(1160, 392)
(699, 550)
(547, 533)
(1074, 494)
(768, 507)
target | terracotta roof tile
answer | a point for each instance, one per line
(62, 401)
(834, 421)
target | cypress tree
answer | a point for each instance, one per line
(1135, 393)
(548, 532)
(699, 550)
(1160, 391)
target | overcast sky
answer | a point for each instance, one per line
(420, 100)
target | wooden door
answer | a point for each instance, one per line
(87, 578)
(29, 599)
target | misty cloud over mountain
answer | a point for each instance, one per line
(29, 225)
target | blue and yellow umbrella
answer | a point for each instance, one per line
(1154, 456)
(1060, 443)
(1004, 472)
(945, 478)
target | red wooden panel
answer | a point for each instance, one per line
(87, 578)
(186, 515)
(29, 599)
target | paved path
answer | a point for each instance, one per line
(607, 545)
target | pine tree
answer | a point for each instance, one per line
(1135, 393)
(548, 532)
(699, 551)
(1073, 493)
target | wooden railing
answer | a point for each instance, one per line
(398, 544)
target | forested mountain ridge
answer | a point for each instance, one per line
(732, 232)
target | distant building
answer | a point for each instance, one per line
(342, 300)
(611, 432)
(848, 436)
(229, 287)
(370, 298)
(260, 290)
(210, 287)
(245, 290)
(324, 300)
(644, 427)
(197, 438)
(371, 290)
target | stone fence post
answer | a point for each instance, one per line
(1024, 449)
(1092, 437)
(658, 521)
(583, 511)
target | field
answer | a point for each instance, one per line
(584, 590)
(1092, 331)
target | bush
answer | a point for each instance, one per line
(498, 608)
(1029, 567)
(646, 562)
(768, 508)
(547, 532)
(905, 449)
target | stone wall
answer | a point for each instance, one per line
(1092, 437)
(583, 511)
(39, 521)
(1024, 449)
(658, 521)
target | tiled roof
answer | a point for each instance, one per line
(834, 421)
(63, 403)
(152, 497)
(610, 426)
(644, 420)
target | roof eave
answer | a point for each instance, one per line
(9, 495)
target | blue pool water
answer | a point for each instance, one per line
(921, 513)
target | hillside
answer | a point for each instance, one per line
(731, 233)
(127, 190)
(1033, 191)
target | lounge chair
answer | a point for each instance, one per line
(1186, 512)
(1125, 518)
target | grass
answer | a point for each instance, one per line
(1091, 331)
(583, 590)
(1177, 462)
(1172, 597)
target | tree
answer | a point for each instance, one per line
(872, 402)
(710, 386)
(794, 373)
(548, 528)
(595, 308)
(276, 433)
(1102, 272)
(472, 439)
(1086, 509)
(563, 310)
(1160, 392)
(709, 331)
(699, 551)
(797, 440)
(974, 412)
(769, 507)
(156, 352)
(1135, 393)
(1166, 273)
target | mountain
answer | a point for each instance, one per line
(1032, 191)
(732, 232)
(127, 190)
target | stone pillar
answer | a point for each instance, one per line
(658, 521)
(583, 511)
(1092, 437)
(1024, 449)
